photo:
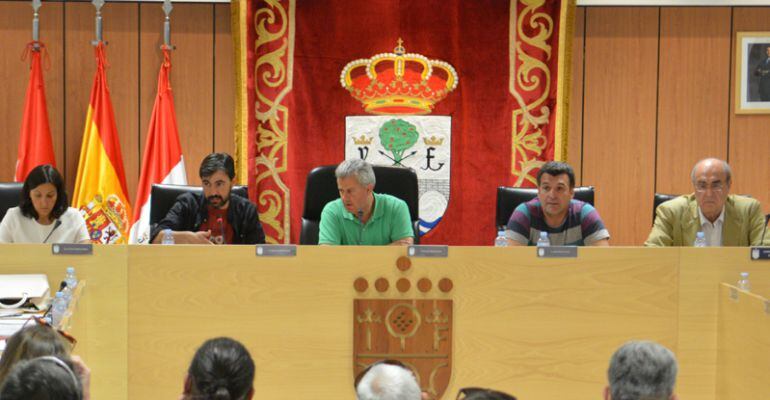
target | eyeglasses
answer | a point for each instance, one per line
(716, 187)
(489, 394)
(372, 365)
(71, 339)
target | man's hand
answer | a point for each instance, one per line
(197, 237)
(403, 242)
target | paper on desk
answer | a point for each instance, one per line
(11, 322)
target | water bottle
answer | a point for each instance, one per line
(58, 309)
(700, 240)
(500, 240)
(168, 237)
(543, 240)
(72, 282)
(744, 283)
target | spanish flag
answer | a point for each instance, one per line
(100, 188)
(35, 145)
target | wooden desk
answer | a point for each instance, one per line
(100, 320)
(536, 328)
(744, 344)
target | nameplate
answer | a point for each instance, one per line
(760, 253)
(277, 250)
(557, 252)
(440, 251)
(72, 249)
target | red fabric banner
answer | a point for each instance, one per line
(35, 145)
(162, 161)
(300, 49)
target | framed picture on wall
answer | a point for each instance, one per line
(752, 73)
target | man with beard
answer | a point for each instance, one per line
(215, 216)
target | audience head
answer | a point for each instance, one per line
(222, 369)
(43, 195)
(382, 381)
(473, 393)
(355, 181)
(641, 371)
(217, 172)
(711, 180)
(42, 378)
(32, 342)
(555, 187)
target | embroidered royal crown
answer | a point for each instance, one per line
(398, 82)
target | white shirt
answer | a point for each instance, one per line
(16, 228)
(713, 231)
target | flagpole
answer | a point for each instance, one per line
(167, 7)
(36, 4)
(98, 5)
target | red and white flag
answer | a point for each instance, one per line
(35, 145)
(162, 161)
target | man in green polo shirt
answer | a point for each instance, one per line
(360, 216)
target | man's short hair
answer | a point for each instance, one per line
(556, 168)
(42, 378)
(217, 162)
(725, 165)
(388, 382)
(642, 370)
(357, 167)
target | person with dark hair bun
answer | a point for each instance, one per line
(222, 369)
(42, 378)
(43, 215)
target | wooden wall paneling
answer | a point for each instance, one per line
(224, 82)
(119, 31)
(749, 149)
(192, 76)
(693, 92)
(16, 30)
(575, 135)
(620, 106)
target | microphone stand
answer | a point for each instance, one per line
(55, 225)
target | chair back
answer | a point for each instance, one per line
(163, 197)
(508, 198)
(321, 188)
(10, 196)
(659, 199)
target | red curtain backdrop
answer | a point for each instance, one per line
(292, 57)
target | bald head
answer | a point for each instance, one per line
(711, 165)
(711, 179)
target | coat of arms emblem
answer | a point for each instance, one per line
(415, 330)
(400, 88)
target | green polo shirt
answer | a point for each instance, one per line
(389, 222)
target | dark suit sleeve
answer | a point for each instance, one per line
(252, 228)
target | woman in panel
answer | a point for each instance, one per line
(43, 215)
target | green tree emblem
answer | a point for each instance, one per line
(397, 136)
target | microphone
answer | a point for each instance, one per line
(55, 225)
(360, 216)
(764, 230)
(221, 229)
